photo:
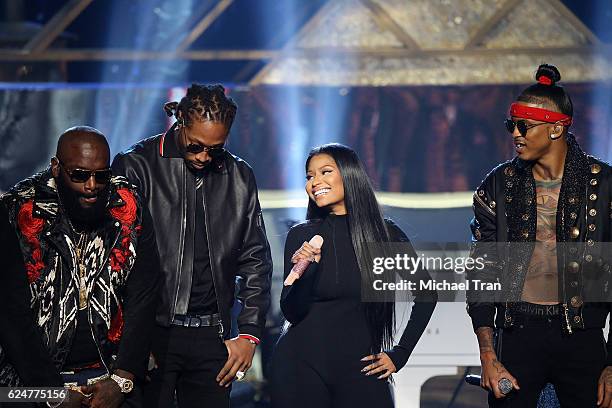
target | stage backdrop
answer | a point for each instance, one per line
(411, 139)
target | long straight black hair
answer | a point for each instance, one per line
(366, 225)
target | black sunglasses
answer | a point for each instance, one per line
(521, 125)
(193, 148)
(214, 152)
(81, 175)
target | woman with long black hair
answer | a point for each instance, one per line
(338, 350)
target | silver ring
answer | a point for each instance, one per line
(240, 375)
(505, 386)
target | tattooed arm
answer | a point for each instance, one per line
(604, 388)
(492, 369)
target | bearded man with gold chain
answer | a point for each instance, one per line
(91, 263)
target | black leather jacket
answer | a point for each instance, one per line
(235, 229)
(505, 214)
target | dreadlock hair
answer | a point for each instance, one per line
(547, 93)
(366, 225)
(203, 103)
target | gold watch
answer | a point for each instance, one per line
(125, 384)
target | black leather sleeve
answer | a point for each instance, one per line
(480, 305)
(254, 268)
(140, 297)
(20, 338)
(125, 165)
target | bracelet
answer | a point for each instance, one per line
(251, 339)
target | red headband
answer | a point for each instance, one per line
(544, 80)
(539, 114)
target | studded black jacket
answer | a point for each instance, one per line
(504, 233)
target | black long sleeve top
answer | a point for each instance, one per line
(337, 276)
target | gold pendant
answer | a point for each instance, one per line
(82, 288)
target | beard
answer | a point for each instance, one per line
(84, 217)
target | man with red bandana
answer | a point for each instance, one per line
(542, 222)
(90, 259)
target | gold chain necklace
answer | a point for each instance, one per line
(79, 252)
(80, 262)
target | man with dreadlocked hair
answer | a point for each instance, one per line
(542, 223)
(210, 231)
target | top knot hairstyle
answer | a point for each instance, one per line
(203, 103)
(547, 93)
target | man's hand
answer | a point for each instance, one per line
(604, 388)
(382, 363)
(240, 358)
(492, 372)
(492, 369)
(106, 394)
(74, 400)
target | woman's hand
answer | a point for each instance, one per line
(381, 363)
(308, 252)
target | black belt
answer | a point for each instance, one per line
(535, 310)
(197, 320)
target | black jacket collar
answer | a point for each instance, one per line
(168, 146)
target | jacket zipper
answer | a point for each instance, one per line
(212, 269)
(483, 204)
(181, 244)
(564, 295)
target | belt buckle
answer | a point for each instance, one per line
(196, 321)
(186, 321)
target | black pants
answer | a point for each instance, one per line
(188, 360)
(304, 387)
(537, 352)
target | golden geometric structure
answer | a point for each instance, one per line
(520, 28)
(385, 42)
(438, 42)
(339, 21)
(446, 24)
(56, 25)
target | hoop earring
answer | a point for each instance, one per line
(554, 138)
